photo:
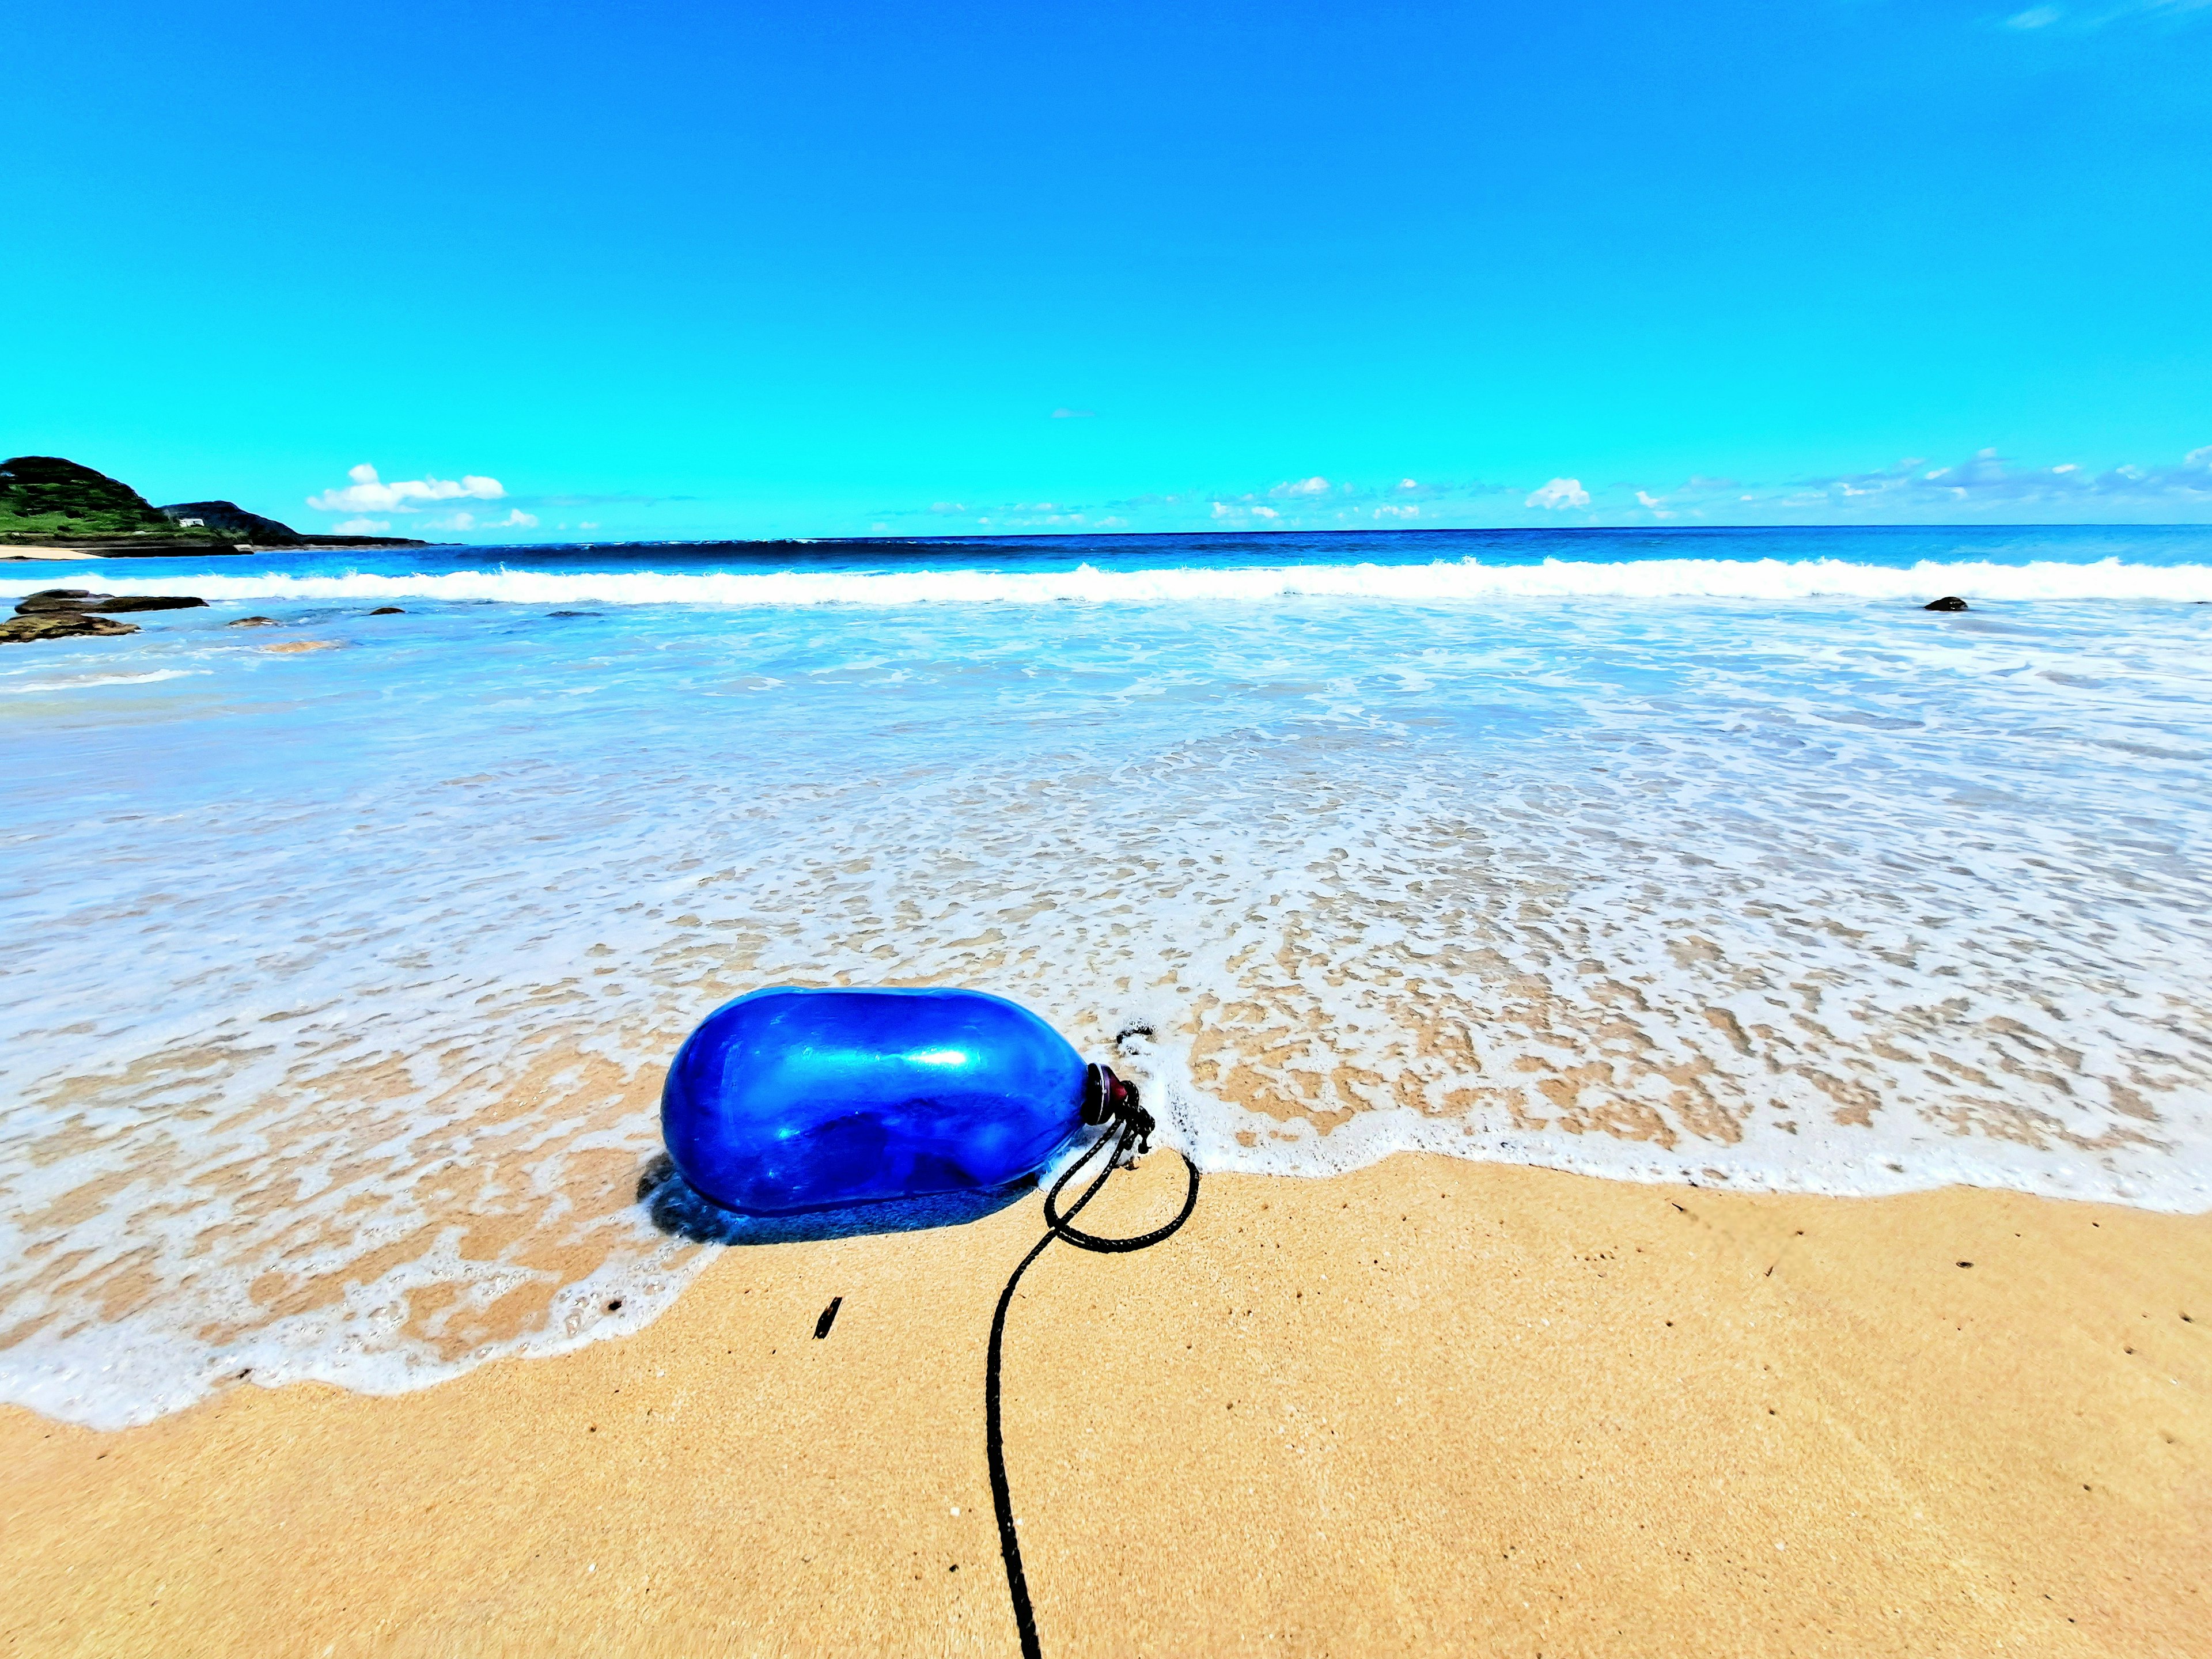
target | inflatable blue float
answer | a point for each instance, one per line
(789, 1100)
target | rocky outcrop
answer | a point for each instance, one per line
(229, 519)
(59, 625)
(1948, 602)
(257, 531)
(53, 601)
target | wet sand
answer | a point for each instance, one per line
(1432, 1407)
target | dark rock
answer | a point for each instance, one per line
(128, 602)
(254, 622)
(41, 604)
(57, 600)
(1948, 602)
(388, 610)
(59, 625)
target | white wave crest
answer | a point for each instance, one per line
(1442, 582)
(103, 679)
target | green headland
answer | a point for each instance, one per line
(46, 501)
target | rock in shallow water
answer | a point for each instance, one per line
(55, 600)
(59, 625)
(388, 610)
(254, 622)
(1948, 602)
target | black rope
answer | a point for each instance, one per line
(1134, 1125)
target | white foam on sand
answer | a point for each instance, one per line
(340, 983)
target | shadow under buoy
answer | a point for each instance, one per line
(679, 1209)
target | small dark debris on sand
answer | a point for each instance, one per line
(1948, 602)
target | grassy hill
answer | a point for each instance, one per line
(44, 497)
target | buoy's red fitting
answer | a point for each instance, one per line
(1110, 1099)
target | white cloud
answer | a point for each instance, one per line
(1983, 487)
(2125, 13)
(368, 493)
(516, 519)
(1986, 481)
(362, 527)
(1558, 494)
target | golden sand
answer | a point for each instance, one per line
(1430, 1407)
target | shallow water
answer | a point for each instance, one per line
(341, 978)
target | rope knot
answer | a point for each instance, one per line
(1110, 1099)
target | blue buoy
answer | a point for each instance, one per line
(790, 1099)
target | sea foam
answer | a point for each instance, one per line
(1439, 582)
(340, 982)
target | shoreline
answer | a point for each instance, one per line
(1429, 1405)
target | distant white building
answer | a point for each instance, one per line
(192, 524)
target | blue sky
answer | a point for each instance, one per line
(683, 269)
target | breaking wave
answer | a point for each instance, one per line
(1442, 582)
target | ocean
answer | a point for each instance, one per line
(345, 953)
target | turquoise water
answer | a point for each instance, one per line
(341, 977)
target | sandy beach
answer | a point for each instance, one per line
(1564, 652)
(1429, 1407)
